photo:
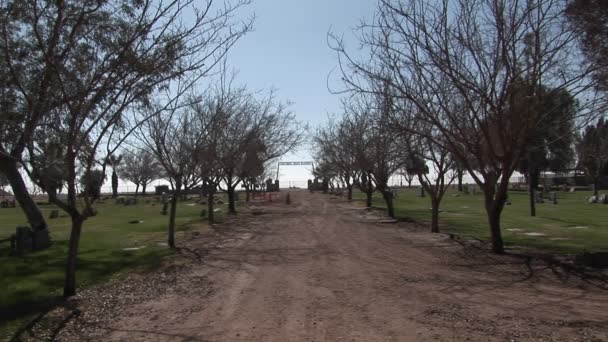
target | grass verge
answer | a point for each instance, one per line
(569, 227)
(111, 245)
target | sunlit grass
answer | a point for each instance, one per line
(31, 282)
(464, 215)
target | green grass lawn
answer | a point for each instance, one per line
(465, 216)
(31, 282)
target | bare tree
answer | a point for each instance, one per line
(173, 139)
(436, 179)
(140, 167)
(333, 144)
(461, 65)
(592, 150)
(82, 70)
(114, 161)
(248, 124)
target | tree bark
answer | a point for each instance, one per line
(114, 184)
(494, 203)
(388, 198)
(434, 215)
(210, 213)
(247, 192)
(494, 220)
(176, 194)
(350, 192)
(231, 200)
(143, 190)
(136, 189)
(368, 201)
(34, 216)
(596, 186)
(531, 196)
(460, 176)
(69, 287)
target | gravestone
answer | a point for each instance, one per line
(553, 197)
(420, 192)
(269, 184)
(54, 214)
(592, 199)
(508, 201)
(4, 204)
(22, 241)
(165, 208)
(538, 197)
(603, 198)
(474, 190)
(130, 201)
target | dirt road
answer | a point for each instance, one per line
(322, 269)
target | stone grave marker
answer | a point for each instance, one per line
(54, 214)
(553, 197)
(538, 197)
(420, 192)
(22, 241)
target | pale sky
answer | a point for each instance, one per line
(288, 50)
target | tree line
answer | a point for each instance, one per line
(85, 81)
(486, 87)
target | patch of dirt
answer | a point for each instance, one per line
(317, 270)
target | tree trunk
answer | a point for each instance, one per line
(368, 201)
(350, 192)
(176, 194)
(531, 196)
(388, 198)
(247, 192)
(26, 202)
(231, 200)
(143, 190)
(460, 176)
(210, 213)
(494, 203)
(136, 189)
(434, 215)
(114, 184)
(596, 186)
(69, 287)
(494, 220)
